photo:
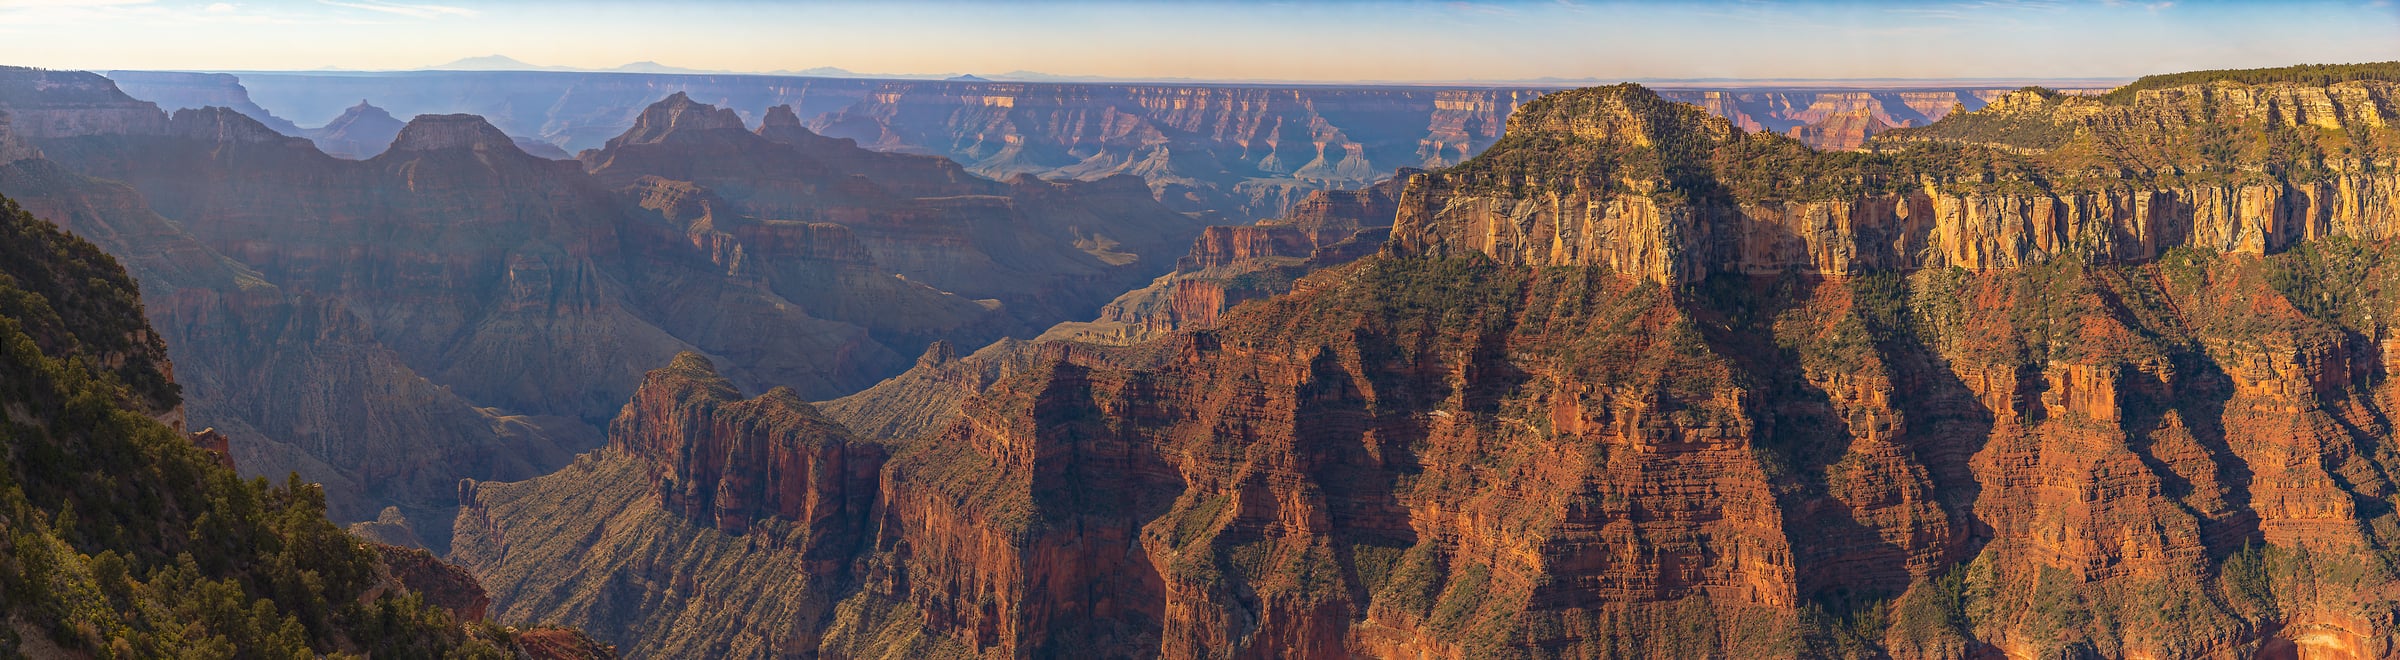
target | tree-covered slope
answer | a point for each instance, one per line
(120, 538)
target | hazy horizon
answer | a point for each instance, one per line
(1229, 41)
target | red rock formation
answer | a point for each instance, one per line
(1472, 445)
(727, 462)
(1229, 265)
(215, 443)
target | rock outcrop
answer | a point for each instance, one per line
(51, 104)
(726, 462)
(1228, 265)
(360, 133)
(1926, 202)
(1561, 413)
(779, 494)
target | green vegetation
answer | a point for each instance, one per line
(118, 537)
(2305, 74)
(1625, 141)
(2337, 281)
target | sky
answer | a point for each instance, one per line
(1339, 41)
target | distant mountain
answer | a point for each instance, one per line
(654, 67)
(822, 71)
(967, 77)
(495, 63)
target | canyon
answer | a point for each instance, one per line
(811, 367)
(1242, 152)
(455, 307)
(124, 535)
(2063, 377)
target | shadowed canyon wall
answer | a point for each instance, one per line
(2065, 377)
(455, 307)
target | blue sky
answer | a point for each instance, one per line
(1319, 41)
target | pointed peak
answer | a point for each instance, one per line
(677, 113)
(448, 132)
(938, 353)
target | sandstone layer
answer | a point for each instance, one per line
(1588, 402)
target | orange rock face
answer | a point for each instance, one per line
(1585, 463)
(726, 462)
(1588, 401)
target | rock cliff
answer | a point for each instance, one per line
(1563, 413)
(777, 493)
(1672, 194)
(48, 104)
(727, 463)
(178, 90)
(1228, 265)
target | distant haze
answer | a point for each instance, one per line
(1330, 41)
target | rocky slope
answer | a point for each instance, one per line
(730, 520)
(1639, 383)
(454, 307)
(292, 379)
(122, 538)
